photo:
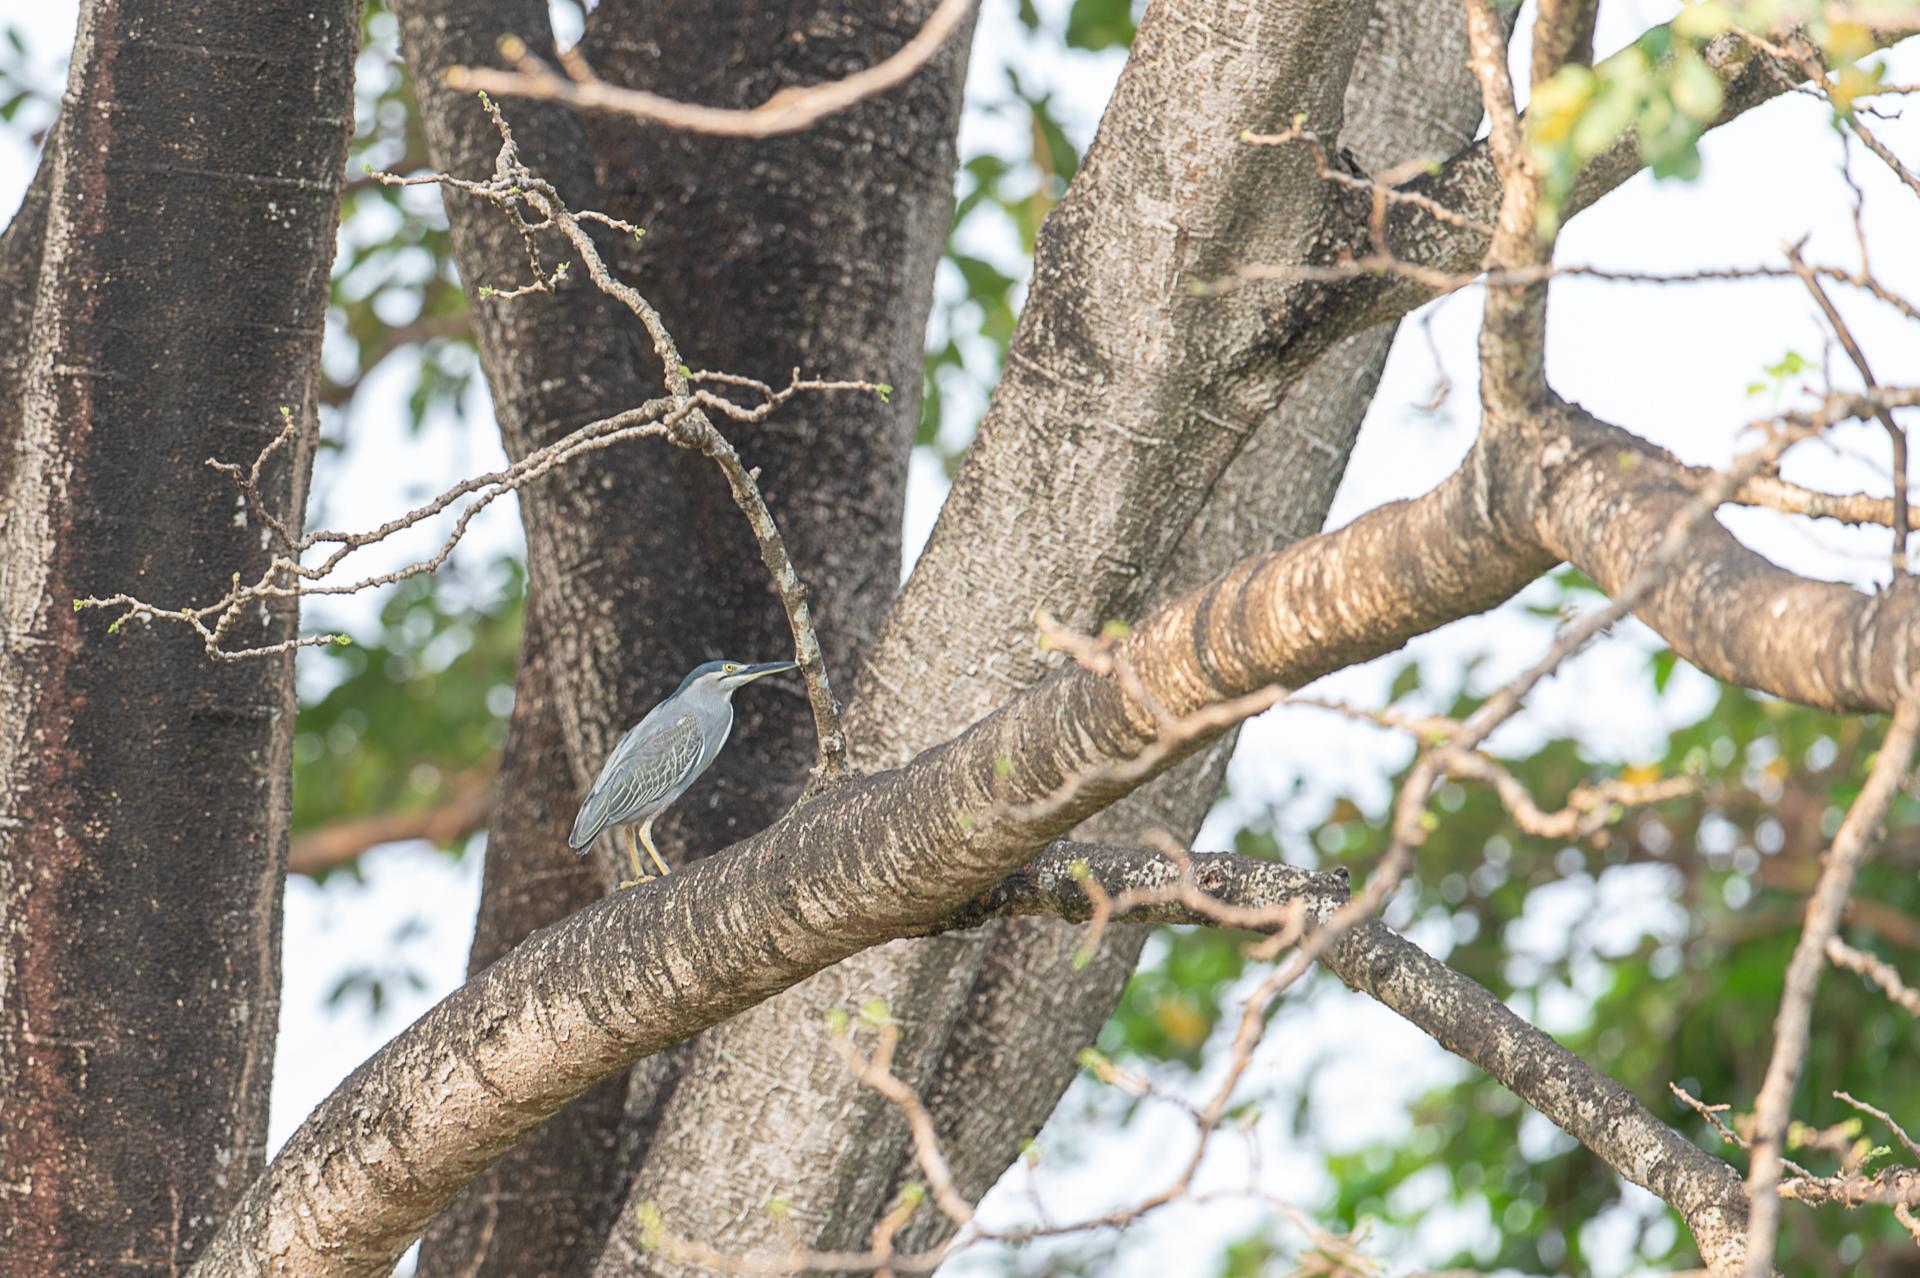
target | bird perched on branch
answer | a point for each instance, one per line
(662, 755)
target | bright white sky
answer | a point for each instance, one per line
(1672, 365)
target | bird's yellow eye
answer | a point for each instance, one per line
(731, 667)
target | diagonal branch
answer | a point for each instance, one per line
(1469, 1021)
(1602, 500)
(1852, 844)
(883, 856)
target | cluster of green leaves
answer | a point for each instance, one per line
(1691, 1003)
(413, 707)
(1660, 90)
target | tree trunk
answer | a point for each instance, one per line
(1015, 1048)
(642, 556)
(816, 252)
(1112, 350)
(613, 614)
(187, 210)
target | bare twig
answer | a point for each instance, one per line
(1882, 974)
(1851, 846)
(875, 1070)
(680, 417)
(1383, 190)
(1885, 1118)
(1452, 281)
(1895, 434)
(787, 111)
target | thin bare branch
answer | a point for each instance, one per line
(1882, 974)
(1852, 844)
(1895, 433)
(787, 111)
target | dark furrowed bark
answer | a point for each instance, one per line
(620, 584)
(614, 616)
(188, 209)
(887, 855)
(1014, 1047)
(653, 571)
(813, 252)
(542, 1211)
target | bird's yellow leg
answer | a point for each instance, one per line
(646, 837)
(633, 855)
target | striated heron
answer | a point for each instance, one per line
(664, 754)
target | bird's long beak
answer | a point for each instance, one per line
(748, 674)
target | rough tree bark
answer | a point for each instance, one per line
(874, 860)
(609, 618)
(1024, 530)
(1015, 1046)
(816, 252)
(164, 293)
(828, 242)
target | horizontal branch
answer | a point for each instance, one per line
(882, 856)
(1070, 880)
(335, 843)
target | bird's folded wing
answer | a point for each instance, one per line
(644, 769)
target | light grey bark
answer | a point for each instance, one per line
(844, 871)
(874, 836)
(1014, 1046)
(901, 852)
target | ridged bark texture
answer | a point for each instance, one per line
(173, 303)
(814, 252)
(1015, 1045)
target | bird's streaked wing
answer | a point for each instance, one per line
(644, 768)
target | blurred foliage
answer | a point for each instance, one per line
(1683, 918)
(395, 288)
(413, 706)
(27, 98)
(1002, 197)
(1660, 90)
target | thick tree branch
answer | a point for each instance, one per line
(337, 842)
(1602, 500)
(1601, 1114)
(880, 857)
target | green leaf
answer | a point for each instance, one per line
(1663, 663)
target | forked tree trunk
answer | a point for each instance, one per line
(163, 295)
